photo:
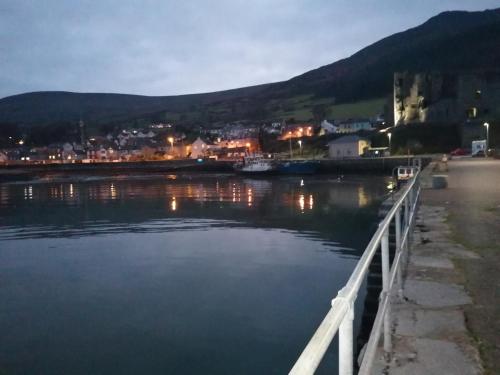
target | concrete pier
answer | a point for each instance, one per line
(429, 331)
(445, 324)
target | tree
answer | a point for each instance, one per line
(319, 112)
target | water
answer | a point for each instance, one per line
(179, 274)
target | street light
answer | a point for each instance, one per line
(290, 141)
(171, 140)
(389, 135)
(300, 146)
(487, 136)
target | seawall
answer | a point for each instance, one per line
(20, 172)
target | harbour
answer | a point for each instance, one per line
(177, 272)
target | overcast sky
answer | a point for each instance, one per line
(168, 47)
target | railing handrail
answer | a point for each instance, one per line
(343, 304)
(372, 344)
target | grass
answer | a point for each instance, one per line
(300, 108)
(365, 108)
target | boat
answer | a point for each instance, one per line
(255, 165)
(298, 167)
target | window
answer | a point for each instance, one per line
(472, 112)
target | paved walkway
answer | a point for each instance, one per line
(451, 309)
(429, 332)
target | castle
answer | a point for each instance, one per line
(446, 97)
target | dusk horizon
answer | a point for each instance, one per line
(204, 58)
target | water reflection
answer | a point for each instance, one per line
(320, 204)
(176, 273)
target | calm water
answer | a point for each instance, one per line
(182, 274)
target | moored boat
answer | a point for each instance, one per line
(255, 165)
(298, 167)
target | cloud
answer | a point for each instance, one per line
(175, 47)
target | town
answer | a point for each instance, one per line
(163, 142)
(419, 118)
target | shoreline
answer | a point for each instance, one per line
(17, 172)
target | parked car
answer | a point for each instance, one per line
(458, 152)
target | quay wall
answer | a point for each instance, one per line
(19, 172)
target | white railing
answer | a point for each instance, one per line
(341, 314)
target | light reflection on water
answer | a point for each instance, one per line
(174, 274)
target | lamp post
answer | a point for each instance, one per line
(171, 140)
(300, 146)
(487, 126)
(389, 135)
(290, 140)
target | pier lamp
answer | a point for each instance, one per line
(487, 126)
(389, 135)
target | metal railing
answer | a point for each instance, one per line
(341, 314)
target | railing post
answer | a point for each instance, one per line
(399, 251)
(411, 195)
(407, 213)
(385, 292)
(346, 343)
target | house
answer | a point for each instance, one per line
(273, 128)
(353, 125)
(349, 146)
(68, 153)
(252, 144)
(327, 128)
(4, 158)
(199, 148)
(238, 131)
(296, 131)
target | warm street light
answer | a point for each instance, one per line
(171, 140)
(290, 140)
(389, 135)
(487, 126)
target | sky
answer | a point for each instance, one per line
(171, 47)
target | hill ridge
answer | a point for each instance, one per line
(450, 41)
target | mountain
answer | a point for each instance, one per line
(451, 41)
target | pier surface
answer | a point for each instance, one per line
(448, 321)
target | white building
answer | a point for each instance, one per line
(198, 148)
(352, 126)
(4, 158)
(349, 146)
(328, 128)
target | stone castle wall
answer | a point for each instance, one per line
(446, 98)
